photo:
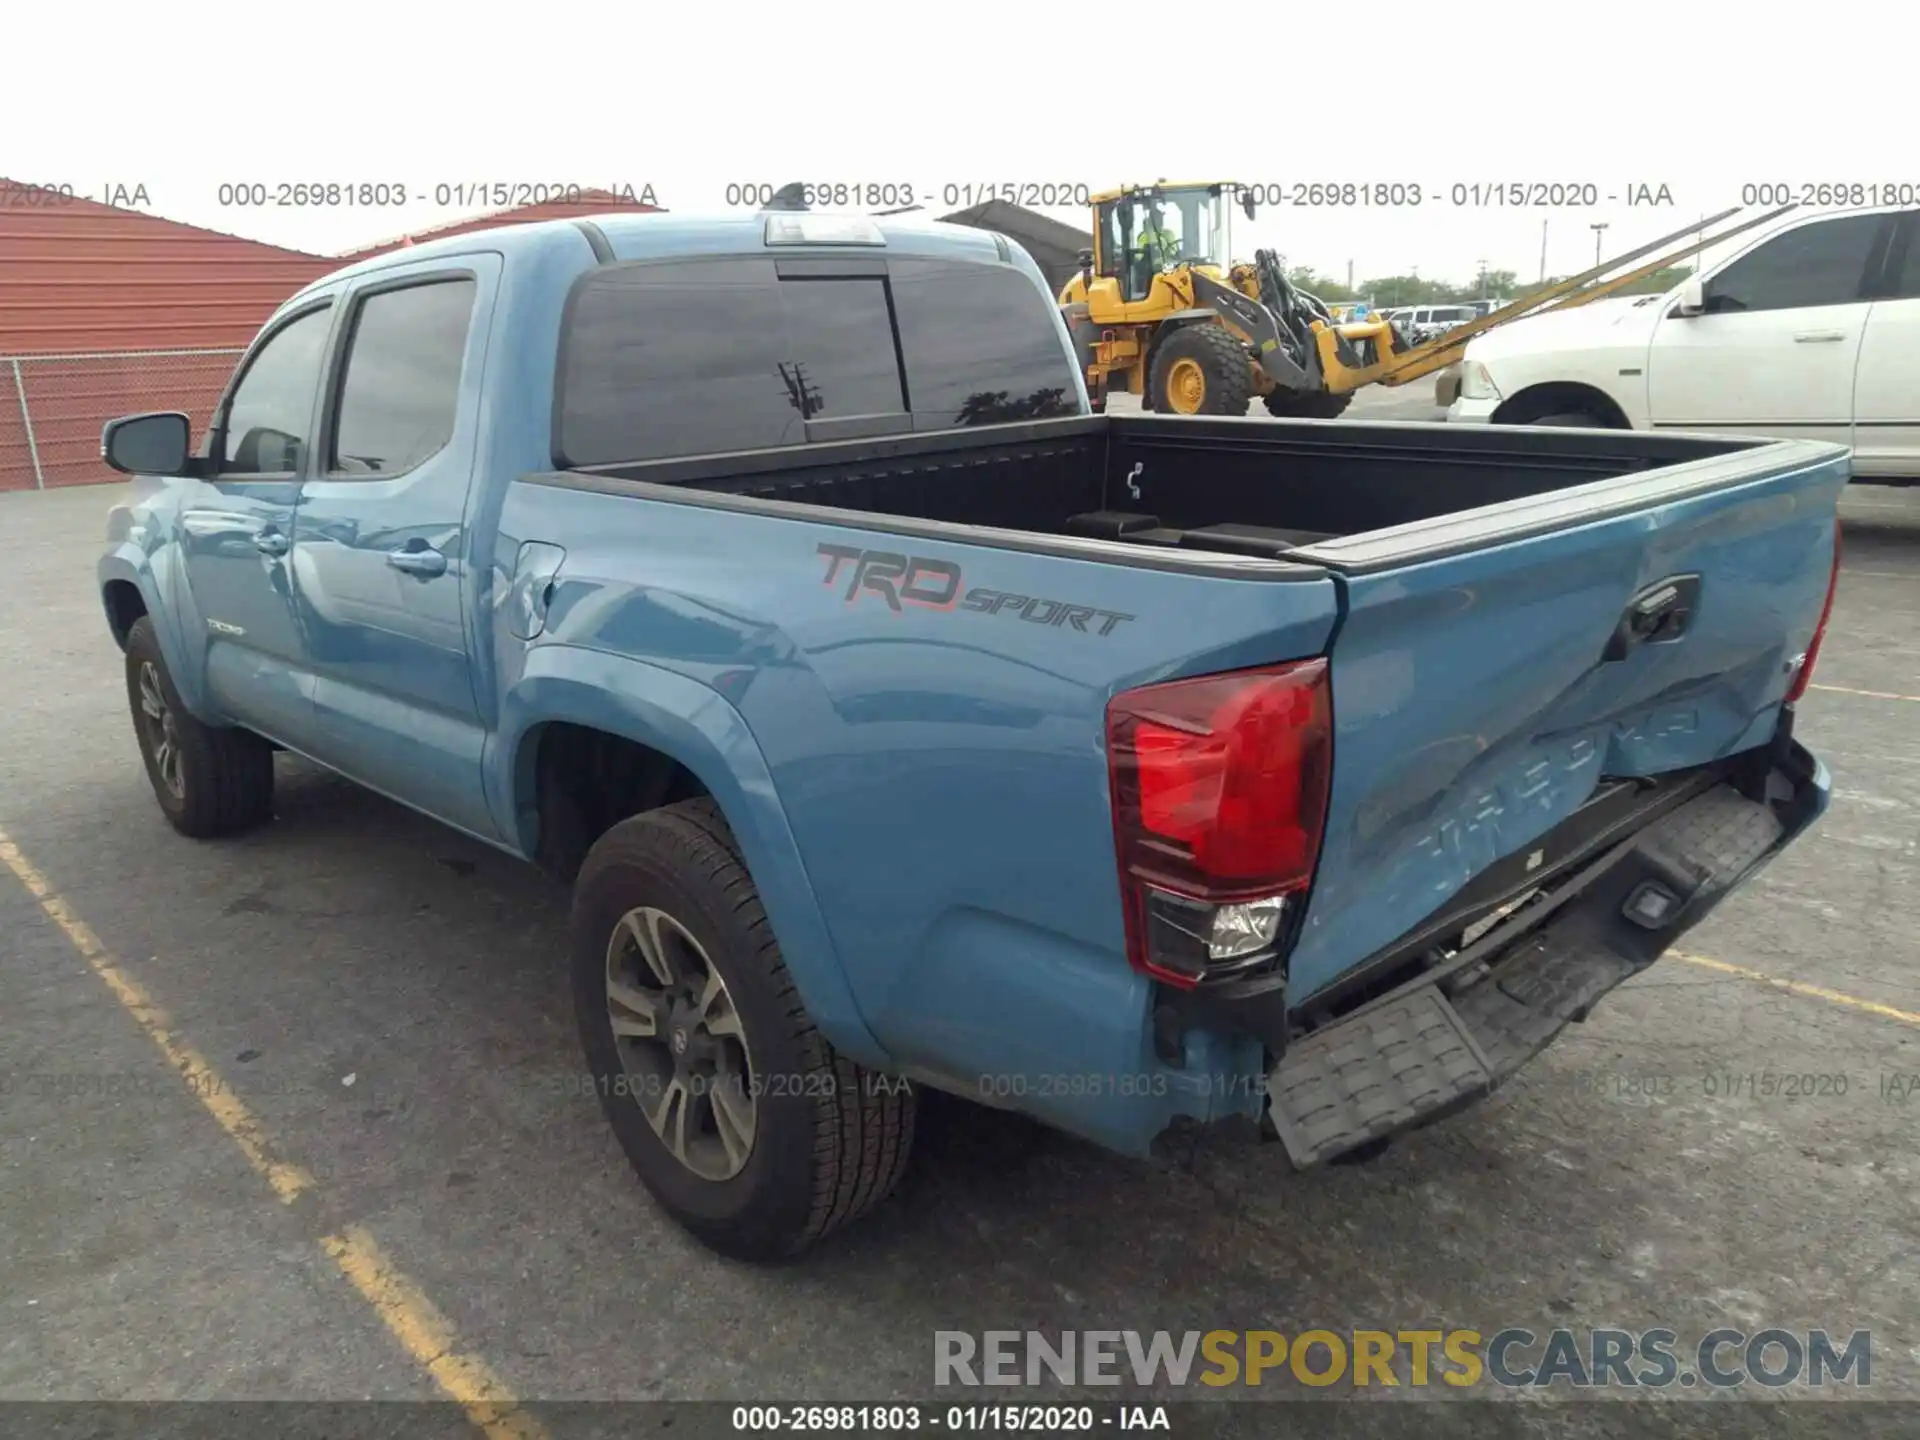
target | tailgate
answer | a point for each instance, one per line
(1492, 666)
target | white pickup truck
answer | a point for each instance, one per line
(1811, 331)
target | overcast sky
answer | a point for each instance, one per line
(1698, 98)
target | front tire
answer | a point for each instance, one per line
(1573, 420)
(209, 781)
(735, 1112)
(1200, 369)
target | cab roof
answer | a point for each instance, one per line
(633, 236)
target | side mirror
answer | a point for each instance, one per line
(1246, 203)
(1693, 298)
(152, 444)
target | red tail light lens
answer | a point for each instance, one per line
(1804, 677)
(1219, 796)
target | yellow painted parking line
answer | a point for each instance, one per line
(1800, 987)
(419, 1326)
(289, 1181)
(402, 1306)
(1870, 694)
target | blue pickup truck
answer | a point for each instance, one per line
(900, 723)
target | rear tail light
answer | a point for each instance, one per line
(1803, 677)
(1219, 797)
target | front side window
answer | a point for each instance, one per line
(1824, 263)
(1903, 265)
(400, 392)
(271, 411)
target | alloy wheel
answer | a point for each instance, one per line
(163, 740)
(681, 1044)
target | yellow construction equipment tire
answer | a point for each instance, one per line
(1293, 405)
(1200, 369)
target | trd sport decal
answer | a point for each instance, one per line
(929, 584)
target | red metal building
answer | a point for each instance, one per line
(106, 311)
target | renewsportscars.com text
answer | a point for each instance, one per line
(1510, 1358)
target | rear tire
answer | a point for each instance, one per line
(818, 1142)
(1293, 405)
(209, 781)
(1200, 369)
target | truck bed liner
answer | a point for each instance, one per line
(1255, 488)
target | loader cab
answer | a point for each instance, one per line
(1141, 231)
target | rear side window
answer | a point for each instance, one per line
(401, 390)
(980, 345)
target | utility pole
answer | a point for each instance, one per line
(1543, 252)
(802, 393)
(1349, 277)
(1483, 279)
(1598, 227)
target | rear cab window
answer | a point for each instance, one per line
(979, 348)
(672, 358)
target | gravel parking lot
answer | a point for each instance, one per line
(273, 1110)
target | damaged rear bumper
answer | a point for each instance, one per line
(1442, 1041)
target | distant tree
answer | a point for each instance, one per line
(1659, 282)
(1388, 291)
(1394, 290)
(1304, 277)
(1496, 283)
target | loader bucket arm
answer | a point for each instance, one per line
(1273, 348)
(1408, 365)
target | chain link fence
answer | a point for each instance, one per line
(52, 407)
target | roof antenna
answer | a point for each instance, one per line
(789, 197)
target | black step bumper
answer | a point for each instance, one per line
(1430, 1048)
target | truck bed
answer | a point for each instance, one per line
(1255, 488)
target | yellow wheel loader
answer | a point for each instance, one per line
(1160, 310)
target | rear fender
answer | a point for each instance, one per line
(696, 726)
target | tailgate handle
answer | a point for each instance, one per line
(1658, 615)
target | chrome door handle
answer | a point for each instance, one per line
(425, 563)
(271, 542)
(1816, 337)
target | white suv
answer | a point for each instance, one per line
(1812, 330)
(1423, 322)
